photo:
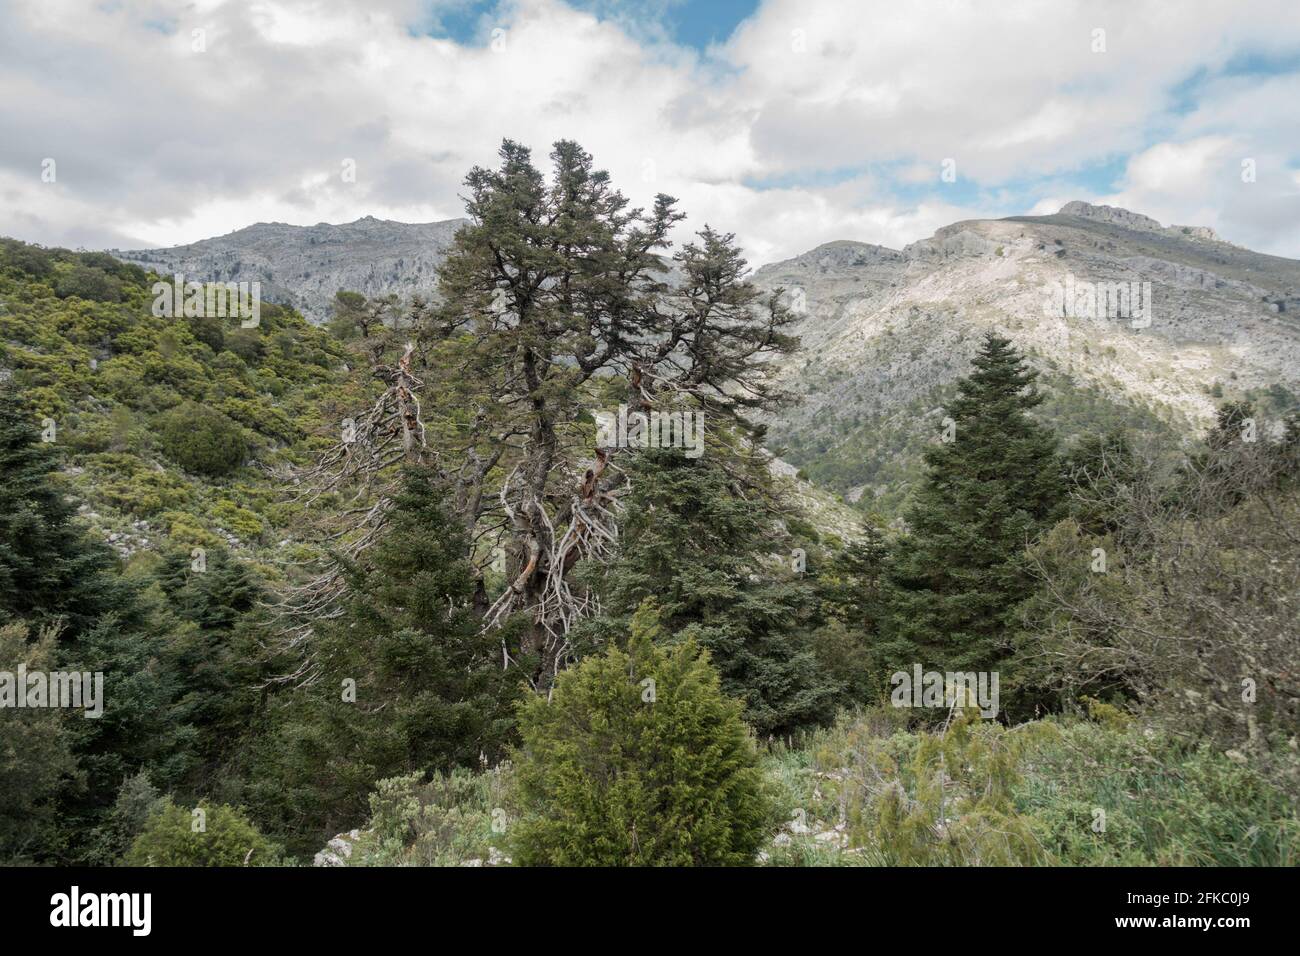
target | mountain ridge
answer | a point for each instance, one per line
(304, 266)
(886, 335)
(885, 332)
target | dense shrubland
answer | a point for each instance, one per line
(428, 607)
(1094, 789)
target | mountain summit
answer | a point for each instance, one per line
(303, 266)
(1134, 220)
(886, 333)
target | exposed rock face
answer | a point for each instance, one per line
(1111, 214)
(1135, 221)
(338, 851)
(885, 331)
(304, 266)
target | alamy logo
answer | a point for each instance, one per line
(656, 429)
(1076, 299)
(940, 689)
(74, 689)
(215, 300)
(103, 909)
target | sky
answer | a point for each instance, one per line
(134, 123)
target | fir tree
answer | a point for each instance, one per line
(404, 678)
(987, 493)
(36, 759)
(694, 541)
(53, 573)
(638, 759)
(214, 645)
(49, 569)
(852, 592)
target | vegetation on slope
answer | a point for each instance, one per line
(476, 548)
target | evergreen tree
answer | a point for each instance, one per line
(49, 569)
(555, 287)
(852, 592)
(694, 542)
(52, 573)
(214, 646)
(958, 577)
(36, 759)
(851, 588)
(403, 679)
(638, 759)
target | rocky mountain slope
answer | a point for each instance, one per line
(887, 332)
(303, 266)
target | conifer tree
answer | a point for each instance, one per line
(695, 541)
(36, 759)
(49, 569)
(639, 759)
(214, 638)
(555, 289)
(406, 680)
(53, 574)
(852, 599)
(988, 492)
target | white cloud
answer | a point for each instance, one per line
(1179, 168)
(159, 144)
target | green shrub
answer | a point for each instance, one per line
(452, 820)
(639, 759)
(202, 440)
(1101, 792)
(137, 801)
(86, 282)
(173, 837)
(184, 528)
(238, 521)
(24, 258)
(129, 484)
(1163, 802)
(936, 798)
(245, 343)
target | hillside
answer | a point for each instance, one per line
(125, 389)
(745, 591)
(886, 332)
(303, 266)
(78, 337)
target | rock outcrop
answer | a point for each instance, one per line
(304, 266)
